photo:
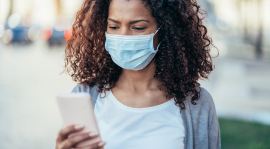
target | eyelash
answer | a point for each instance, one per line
(113, 28)
(137, 28)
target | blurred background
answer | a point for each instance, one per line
(33, 35)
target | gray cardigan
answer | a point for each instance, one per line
(200, 120)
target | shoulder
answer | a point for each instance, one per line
(205, 98)
(79, 88)
(83, 88)
(204, 105)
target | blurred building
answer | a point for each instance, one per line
(242, 19)
(42, 12)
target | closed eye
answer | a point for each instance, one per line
(113, 27)
(138, 28)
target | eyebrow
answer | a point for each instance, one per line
(131, 22)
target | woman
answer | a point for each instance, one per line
(141, 60)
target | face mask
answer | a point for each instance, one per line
(131, 52)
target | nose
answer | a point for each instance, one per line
(125, 31)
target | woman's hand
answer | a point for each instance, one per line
(63, 142)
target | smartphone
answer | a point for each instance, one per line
(77, 108)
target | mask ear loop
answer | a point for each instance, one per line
(157, 30)
(154, 51)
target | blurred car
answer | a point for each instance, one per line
(58, 34)
(18, 29)
(20, 34)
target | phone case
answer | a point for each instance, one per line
(77, 108)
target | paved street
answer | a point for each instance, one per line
(240, 89)
(30, 78)
(29, 81)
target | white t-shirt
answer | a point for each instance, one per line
(124, 127)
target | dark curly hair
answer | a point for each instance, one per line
(182, 59)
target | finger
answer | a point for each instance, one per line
(68, 143)
(63, 133)
(89, 147)
(97, 145)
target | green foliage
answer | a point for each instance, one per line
(236, 134)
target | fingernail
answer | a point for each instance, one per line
(92, 134)
(78, 126)
(101, 143)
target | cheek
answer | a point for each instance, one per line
(107, 29)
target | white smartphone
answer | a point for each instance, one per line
(77, 108)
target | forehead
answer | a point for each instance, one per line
(128, 10)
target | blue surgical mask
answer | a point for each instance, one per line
(131, 52)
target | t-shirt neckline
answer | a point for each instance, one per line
(139, 110)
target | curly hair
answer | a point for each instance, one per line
(183, 57)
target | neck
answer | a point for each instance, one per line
(139, 81)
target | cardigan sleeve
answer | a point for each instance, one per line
(205, 125)
(214, 140)
(79, 88)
